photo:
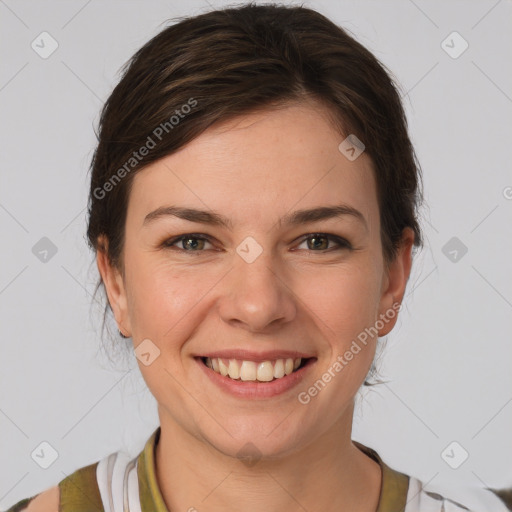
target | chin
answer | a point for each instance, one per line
(256, 441)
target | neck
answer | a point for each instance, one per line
(329, 474)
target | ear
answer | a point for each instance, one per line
(114, 286)
(394, 282)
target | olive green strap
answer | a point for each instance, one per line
(79, 491)
(393, 496)
(394, 485)
(151, 499)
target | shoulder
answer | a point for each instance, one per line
(106, 483)
(45, 501)
(421, 496)
(78, 492)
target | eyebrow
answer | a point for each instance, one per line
(292, 219)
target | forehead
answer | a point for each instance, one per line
(259, 166)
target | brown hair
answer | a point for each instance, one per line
(229, 62)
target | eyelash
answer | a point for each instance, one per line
(342, 243)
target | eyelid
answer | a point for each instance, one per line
(169, 242)
(342, 243)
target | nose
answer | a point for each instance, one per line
(256, 295)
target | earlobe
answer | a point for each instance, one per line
(395, 282)
(114, 287)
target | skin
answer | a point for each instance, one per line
(254, 170)
(46, 501)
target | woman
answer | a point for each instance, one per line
(253, 209)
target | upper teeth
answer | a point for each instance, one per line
(264, 371)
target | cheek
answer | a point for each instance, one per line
(345, 299)
(348, 312)
(162, 296)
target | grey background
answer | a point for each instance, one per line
(447, 360)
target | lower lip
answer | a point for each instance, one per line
(254, 389)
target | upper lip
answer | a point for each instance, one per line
(247, 355)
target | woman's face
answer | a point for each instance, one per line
(259, 288)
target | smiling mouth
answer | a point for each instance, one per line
(251, 371)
